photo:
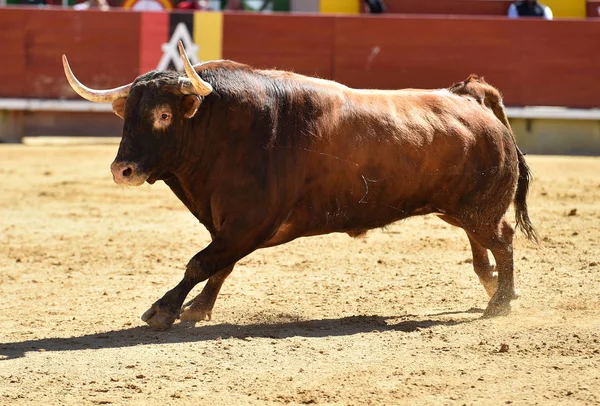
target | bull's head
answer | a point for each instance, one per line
(154, 108)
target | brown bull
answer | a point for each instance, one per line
(262, 157)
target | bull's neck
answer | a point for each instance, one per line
(197, 153)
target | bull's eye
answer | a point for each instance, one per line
(162, 116)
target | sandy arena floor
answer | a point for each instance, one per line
(392, 318)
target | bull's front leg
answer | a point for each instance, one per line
(200, 308)
(163, 312)
(237, 238)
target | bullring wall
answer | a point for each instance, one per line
(534, 63)
(551, 63)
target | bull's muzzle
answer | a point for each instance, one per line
(127, 174)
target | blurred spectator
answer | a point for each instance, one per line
(201, 5)
(529, 8)
(92, 4)
(374, 6)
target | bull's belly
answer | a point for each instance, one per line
(357, 207)
(354, 221)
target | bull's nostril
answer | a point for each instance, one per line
(127, 172)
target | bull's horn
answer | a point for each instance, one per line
(99, 96)
(201, 87)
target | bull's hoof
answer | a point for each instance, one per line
(496, 310)
(190, 314)
(158, 320)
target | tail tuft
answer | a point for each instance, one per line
(520, 202)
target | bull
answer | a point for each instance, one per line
(262, 157)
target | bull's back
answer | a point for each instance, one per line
(391, 155)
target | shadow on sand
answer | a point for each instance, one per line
(188, 332)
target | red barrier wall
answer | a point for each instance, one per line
(532, 62)
(300, 43)
(154, 31)
(103, 50)
(444, 7)
(12, 53)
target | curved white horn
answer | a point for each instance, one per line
(99, 96)
(202, 88)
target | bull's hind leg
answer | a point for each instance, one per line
(483, 268)
(200, 308)
(481, 261)
(498, 239)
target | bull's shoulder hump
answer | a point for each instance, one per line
(220, 63)
(318, 82)
(275, 74)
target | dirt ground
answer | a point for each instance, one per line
(392, 318)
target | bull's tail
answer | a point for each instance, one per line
(489, 96)
(520, 201)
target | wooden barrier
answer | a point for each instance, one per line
(560, 8)
(293, 42)
(446, 7)
(103, 50)
(534, 62)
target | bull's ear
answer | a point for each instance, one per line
(191, 102)
(118, 106)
